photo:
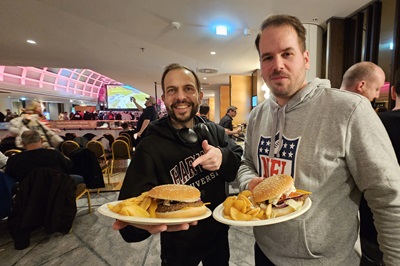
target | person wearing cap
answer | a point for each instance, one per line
(226, 121)
(148, 114)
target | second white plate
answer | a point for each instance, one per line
(219, 216)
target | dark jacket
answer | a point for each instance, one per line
(87, 166)
(162, 158)
(46, 197)
(22, 164)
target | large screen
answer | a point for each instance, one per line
(120, 97)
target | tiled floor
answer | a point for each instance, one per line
(93, 242)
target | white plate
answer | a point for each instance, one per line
(218, 215)
(103, 209)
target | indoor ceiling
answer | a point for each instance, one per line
(131, 41)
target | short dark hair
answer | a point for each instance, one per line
(178, 66)
(284, 20)
(30, 136)
(124, 125)
(397, 82)
(204, 109)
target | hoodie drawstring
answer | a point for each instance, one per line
(278, 123)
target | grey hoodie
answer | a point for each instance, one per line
(334, 145)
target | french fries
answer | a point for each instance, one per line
(243, 208)
(141, 206)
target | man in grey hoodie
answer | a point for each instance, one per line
(332, 143)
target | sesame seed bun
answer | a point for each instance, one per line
(272, 187)
(183, 193)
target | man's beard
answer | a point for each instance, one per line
(171, 113)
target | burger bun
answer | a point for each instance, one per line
(272, 187)
(182, 193)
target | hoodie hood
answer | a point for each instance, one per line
(301, 98)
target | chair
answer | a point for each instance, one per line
(8, 143)
(110, 138)
(126, 135)
(98, 149)
(11, 152)
(82, 190)
(126, 139)
(120, 151)
(32, 209)
(68, 146)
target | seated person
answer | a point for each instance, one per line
(21, 164)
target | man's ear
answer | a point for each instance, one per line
(361, 86)
(163, 98)
(393, 93)
(306, 57)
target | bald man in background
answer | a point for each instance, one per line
(365, 78)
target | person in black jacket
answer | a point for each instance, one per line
(206, 164)
(35, 156)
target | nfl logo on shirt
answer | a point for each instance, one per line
(283, 161)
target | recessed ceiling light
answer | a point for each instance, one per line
(213, 53)
(31, 41)
(221, 30)
(204, 78)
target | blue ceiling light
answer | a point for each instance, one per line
(221, 30)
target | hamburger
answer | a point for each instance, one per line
(279, 191)
(177, 201)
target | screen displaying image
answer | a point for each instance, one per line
(254, 101)
(121, 97)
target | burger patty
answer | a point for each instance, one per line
(299, 198)
(177, 206)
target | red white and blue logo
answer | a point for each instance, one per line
(284, 160)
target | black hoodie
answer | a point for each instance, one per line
(162, 158)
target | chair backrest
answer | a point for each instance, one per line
(120, 150)
(109, 137)
(124, 138)
(11, 152)
(68, 146)
(125, 134)
(89, 136)
(7, 143)
(31, 208)
(97, 148)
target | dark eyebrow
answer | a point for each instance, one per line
(284, 50)
(169, 87)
